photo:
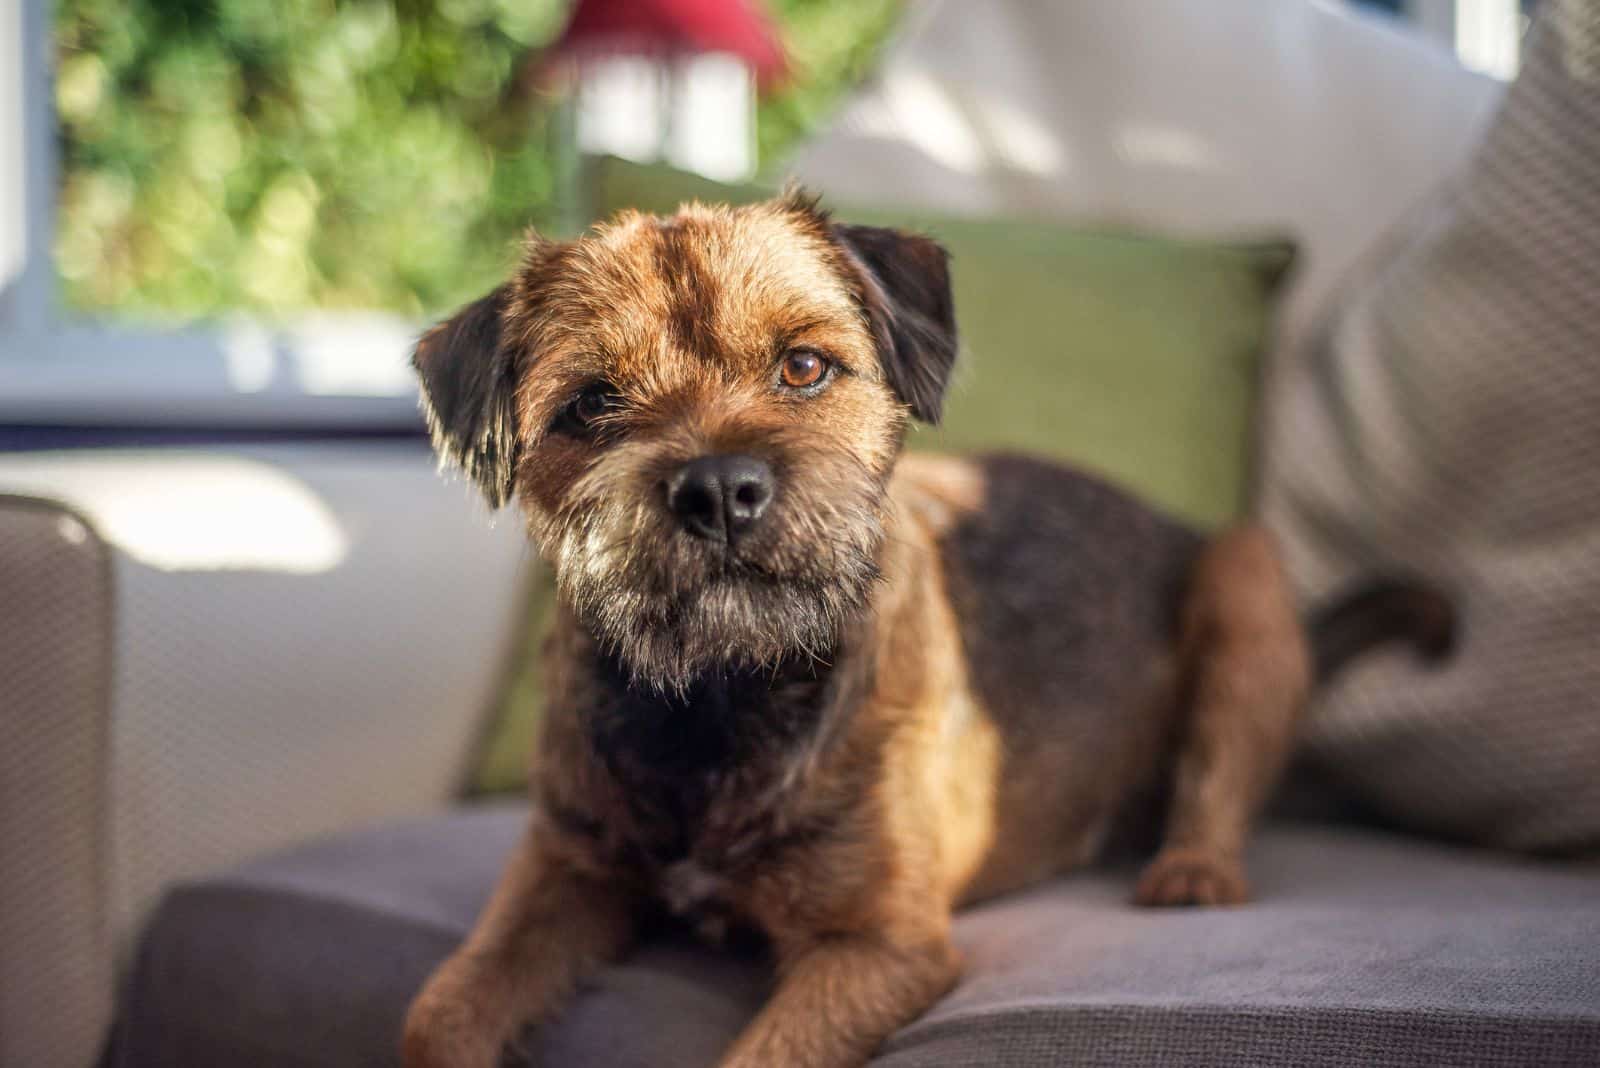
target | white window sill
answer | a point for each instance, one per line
(342, 372)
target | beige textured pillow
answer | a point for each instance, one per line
(1449, 424)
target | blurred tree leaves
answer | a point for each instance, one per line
(223, 155)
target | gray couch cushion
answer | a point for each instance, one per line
(1363, 949)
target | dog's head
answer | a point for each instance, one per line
(699, 415)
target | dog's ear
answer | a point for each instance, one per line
(467, 386)
(906, 290)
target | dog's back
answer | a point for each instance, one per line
(1066, 592)
(1121, 656)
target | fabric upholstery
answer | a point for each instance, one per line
(1446, 425)
(1362, 949)
(56, 603)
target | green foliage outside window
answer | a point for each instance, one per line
(226, 155)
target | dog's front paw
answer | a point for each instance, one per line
(1191, 877)
(443, 1031)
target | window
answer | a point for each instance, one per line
(1485, 34)
(217, 213)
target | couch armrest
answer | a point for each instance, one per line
(55, 672)
(211, 653)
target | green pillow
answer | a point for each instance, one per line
(1131, 355)
(507, 752)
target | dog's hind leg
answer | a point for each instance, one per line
(1247, 676)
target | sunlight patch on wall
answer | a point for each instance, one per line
(1021, 140)
(190, 512)
(1152, 144)
(924, 115)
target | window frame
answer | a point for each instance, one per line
(320, 372)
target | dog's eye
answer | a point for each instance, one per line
(595, 401)
(802, 369)
(592, 403)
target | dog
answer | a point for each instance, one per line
(802, 684)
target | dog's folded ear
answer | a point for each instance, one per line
(467, 386)
(906, 290)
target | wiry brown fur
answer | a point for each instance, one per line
(914, 683)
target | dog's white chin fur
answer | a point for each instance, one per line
(730, 624)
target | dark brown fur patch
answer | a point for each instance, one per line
(467, 377)
(905, 288)
(692, 292)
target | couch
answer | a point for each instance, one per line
(231, 777)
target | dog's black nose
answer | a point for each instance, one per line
(720, 497)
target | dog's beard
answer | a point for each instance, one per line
(673, 607)
(726, 625)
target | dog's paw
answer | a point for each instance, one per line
(1191, 877)
(441, 1032)
(432, 1049)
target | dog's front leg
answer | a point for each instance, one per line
(551, 921)
(840, 996)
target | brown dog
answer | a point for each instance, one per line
(802, 684)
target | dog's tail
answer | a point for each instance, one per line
(1376, 613)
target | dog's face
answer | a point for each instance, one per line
(699, 415)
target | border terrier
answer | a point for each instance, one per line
(807, 686)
